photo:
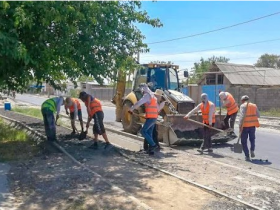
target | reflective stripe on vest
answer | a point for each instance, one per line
(74, 101)
(205, 112)
(251, 119)
(232, 107)
(151, 109)
(50, 104)
(95, 106)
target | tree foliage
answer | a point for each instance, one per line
(53, 40)
(269, 61)
(203, 66)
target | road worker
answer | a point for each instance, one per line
(158, 94)
(208, 117)
(232, 109)
(151, 109)
(74, 107)
(249, 114)
(95, 112)
(48, 108)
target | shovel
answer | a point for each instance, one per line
(207, 126)
(237, 147)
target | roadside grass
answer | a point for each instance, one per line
(15, 144)
(33, 112)
(274, 112)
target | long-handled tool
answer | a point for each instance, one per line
(237, 147)
(207, 125)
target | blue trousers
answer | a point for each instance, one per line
(248, 131)
(147, 130)
(49, 123)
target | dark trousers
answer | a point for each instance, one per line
(248, 131)
(49, 123)
(207, 142)
(155, 138)
(231, 118)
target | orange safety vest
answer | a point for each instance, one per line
(232, 106)
(74, 101)
(205, 112)
(251, 118)
(95, 106)
(151, 109)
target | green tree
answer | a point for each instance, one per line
(84, 78)
(203, 66)
(269, 61)
(53, 40)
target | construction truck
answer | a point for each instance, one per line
(172, 128)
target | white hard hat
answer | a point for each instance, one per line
(245, 98)
(223, 95)
(204, 97)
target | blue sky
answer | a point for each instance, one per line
(181, 18)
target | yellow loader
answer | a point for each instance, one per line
(172, 128)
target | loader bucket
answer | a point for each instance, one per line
(181, 131)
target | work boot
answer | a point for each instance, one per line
(108, 146)
(210, 150)
(252, 154)
(73, 132)
(247, 158)
(200, 150)
(153, 149)
(93, 146)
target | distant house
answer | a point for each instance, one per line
(262, 85)
(240, 75)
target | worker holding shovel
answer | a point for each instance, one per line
(208, 117)
(95, 112)
(249, 114)
(74, 106)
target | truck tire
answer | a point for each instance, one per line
(129, 121)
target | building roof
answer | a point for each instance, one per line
(239, 74)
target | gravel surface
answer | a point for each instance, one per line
(254, 184)
(54, 182)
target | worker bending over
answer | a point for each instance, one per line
(207, 109)
(48, 108)
(95, 112)
(74, 106)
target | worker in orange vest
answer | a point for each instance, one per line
(74, 107)
(151, 108)
(249, 117)
(232, 109)
(207, 109)
(95, 112)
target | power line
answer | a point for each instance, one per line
(218, 48)
(184, 61)
(211, 31)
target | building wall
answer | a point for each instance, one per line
(265, 98)
(105, 93)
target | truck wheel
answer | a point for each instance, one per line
(129, 121)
